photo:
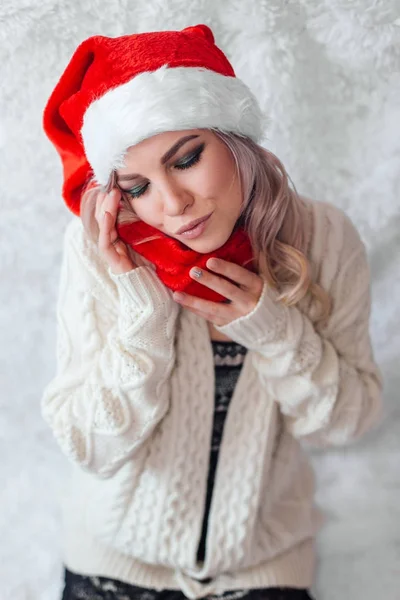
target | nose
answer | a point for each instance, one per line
(175, 199)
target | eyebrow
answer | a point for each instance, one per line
(167, 156)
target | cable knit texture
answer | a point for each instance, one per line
(132, 406)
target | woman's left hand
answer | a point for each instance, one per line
(243, 297)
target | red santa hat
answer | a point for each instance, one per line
(116, 92)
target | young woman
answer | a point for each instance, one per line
(211, 321)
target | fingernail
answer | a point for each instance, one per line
(196, 273)
(179, 295)
(212, 263)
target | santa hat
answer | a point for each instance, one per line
(116, 92)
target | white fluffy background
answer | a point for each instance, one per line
(328, 73)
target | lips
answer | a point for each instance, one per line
(192, 224)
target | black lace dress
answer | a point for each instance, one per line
(228, 361)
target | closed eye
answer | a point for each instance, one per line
(191, 160)
(186, 163)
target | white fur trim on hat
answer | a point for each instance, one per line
(168, 99)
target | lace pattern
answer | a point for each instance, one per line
(79, 587)
(228, 362)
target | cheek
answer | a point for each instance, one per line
(147, 212)
(215, 181)
(222, 180)
(229, 198)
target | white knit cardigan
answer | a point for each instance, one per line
(132, 406)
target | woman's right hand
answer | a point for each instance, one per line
(111, 247)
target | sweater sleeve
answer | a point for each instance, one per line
(327, 384)
(115, 351)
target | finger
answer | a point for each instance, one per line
(218, 284)
(105, 241)
(110, 207)
(111, 203)
(99, 210)
(209, 309)
(208, 317)
(109, 243)
(107, 202)
(234, 272)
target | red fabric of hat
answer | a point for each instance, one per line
(118, 91)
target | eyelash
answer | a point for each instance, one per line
(180, 166)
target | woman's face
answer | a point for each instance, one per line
(177, 177)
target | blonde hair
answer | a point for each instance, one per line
(274, 216)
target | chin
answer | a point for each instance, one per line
(205, 246)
